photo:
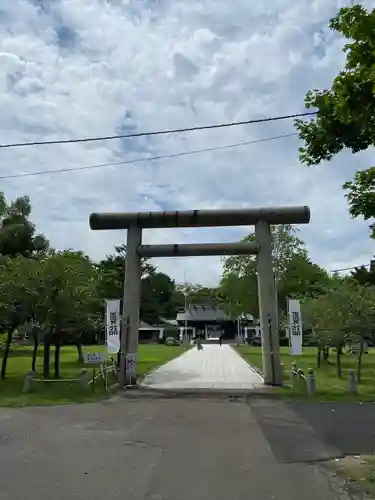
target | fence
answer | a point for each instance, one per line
(83, 381)
(307, 383)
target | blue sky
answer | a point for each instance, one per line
(73, 68)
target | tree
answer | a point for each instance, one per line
(361, 196)
(157, 298)
(112, 270)
(157, 289)
(67, 297)
(344, 314)
(199, 295)
(240, 292)
(364, 276)
(345, 112)
(19, 279)
(239, 281)
(17, 231)
(302, 278)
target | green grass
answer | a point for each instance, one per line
(329, 386)
(150, 356)
(359, 470)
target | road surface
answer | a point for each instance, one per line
(164, 449)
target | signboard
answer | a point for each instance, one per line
(112, 330)
(131, 364)
(295, 326)
(94, 357)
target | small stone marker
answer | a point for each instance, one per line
(28, 383)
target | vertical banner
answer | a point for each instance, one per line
(295, 326)
(112, 330)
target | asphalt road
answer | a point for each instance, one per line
(164, 449)
(348, 426)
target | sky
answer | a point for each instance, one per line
(80, 68)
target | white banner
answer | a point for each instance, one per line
(112, 330)
(295, 326)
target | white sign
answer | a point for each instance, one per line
(94, 357)
(131, 364)
(295, 326)
(112, 330)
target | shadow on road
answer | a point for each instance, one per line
(347, 426)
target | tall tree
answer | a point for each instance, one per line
(302, 278)
(67, 296)
(364, 276)
(199, 295)
(345, 112)
(345, 313)
(157, 298)
(19, 279)
(157, 289)
(18, 235)
(239, 281)
(112, 270)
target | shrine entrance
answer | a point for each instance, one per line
(261, 218)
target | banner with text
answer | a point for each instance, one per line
(295, 326)
(112, 330)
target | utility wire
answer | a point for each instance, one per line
(151, 158)
(349, 268)
(159, 132)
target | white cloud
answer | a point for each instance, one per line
(75, 68)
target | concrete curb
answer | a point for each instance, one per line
(141, 392)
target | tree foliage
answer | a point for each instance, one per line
(112, 270)
(158, 293)
(364, 276)
(56, 290)
(345, 314)
(157, 289)
(345, 112)
(361, 196)
(19, 298)
(239, 281)
(303, 278)
(198, 295)
(17, 232)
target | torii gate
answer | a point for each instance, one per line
(261, 218)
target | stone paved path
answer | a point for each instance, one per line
(214, 367)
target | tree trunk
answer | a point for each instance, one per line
(6, 353)
(80, 353)
(338, 361)
(47, 354)
(359, 362)
(57, 356)
(319, 357)
(35, 352)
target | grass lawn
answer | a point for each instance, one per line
(329, 386)
(150, 356)
(359, 470)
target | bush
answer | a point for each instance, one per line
(172, 341)
(171, 333)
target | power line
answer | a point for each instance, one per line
(159, 132)
(349, 268)
(151, 158)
